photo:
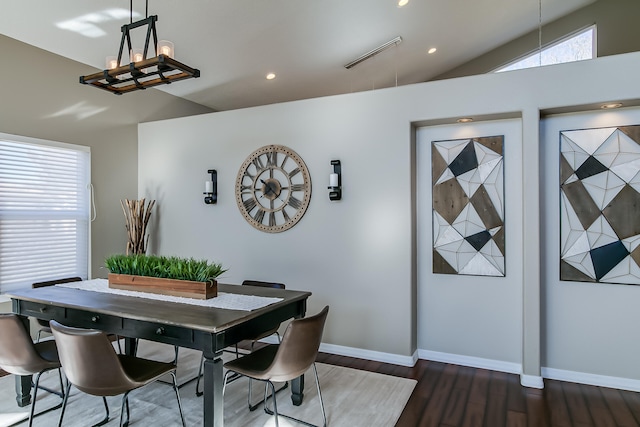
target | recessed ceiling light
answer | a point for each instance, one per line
(610, 106)
(432, 50)
(465, 120)
(271, 76)
(402, 3)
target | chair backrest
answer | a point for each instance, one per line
(263, 284)
(18, 355)
(89, 360)
(299, 347)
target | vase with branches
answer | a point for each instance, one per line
(136, 215)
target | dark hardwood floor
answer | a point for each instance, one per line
(451, 396)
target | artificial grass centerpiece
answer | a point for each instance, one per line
(125, 272)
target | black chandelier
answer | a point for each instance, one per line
(140, 73)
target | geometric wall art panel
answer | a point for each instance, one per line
(600, 205)
(468, 206)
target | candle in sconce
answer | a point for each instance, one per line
(208, 186)
(333, 180)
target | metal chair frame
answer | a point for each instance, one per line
(35, 383)
(126, 384)
(275, 369)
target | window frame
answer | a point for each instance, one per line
(87, 198)
(594, 50)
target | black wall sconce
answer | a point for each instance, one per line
(211, 188)
(335, 181)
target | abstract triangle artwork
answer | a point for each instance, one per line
(599, 204)
(468, 206)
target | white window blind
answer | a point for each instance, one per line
(44, 211)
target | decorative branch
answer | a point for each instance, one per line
(137, 214)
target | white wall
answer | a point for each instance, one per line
(589, 327)
(483, 315)
(358, 255)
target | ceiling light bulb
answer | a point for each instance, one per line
(432, 50)
(402, 2)
(136, 55)
(465, 120)
(271, 76)
(610, 106)
(165, 47)
(112, 62)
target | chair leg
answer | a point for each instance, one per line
(175, 388)
(253, 407)
(324, 416)
(64, 403)
(33, 401)
(124, 408)
(198, 392)
(106, 416)
(275, 404)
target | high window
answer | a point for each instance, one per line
(44, 211)
(575, 47)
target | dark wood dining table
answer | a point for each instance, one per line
(207, 329)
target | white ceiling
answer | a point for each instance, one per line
(235, 43)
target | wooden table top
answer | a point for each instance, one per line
(206, 319)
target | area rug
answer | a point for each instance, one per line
(351, 397)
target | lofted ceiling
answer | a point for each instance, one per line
(306, 43)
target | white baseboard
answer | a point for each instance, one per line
(474, 362)
(359, 353)
(591, 379)
(479, 362)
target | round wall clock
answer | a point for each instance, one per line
(273, 188)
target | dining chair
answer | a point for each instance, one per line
(285, 361)
(44, 324)
(19, 355)
(92, 365)
(250, 341)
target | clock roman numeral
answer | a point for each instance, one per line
(298, 187)
(271, 159)
(259, 216)
(272, 219)
(245, 189)
(249, 204)
(257, 162)
(285, 215)
(294, 172)
(295, 203)
(284, 161)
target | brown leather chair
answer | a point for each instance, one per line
(20, 356)
(92, 365)
(44, 324)
(291, 358)
(249, 341)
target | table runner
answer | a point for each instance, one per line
(225, 301)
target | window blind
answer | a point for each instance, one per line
(44, 212)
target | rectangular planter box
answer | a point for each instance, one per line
(157, 285)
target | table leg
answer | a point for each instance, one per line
(23, 382)
(23, 389)
(297, 390)
(213, 382)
